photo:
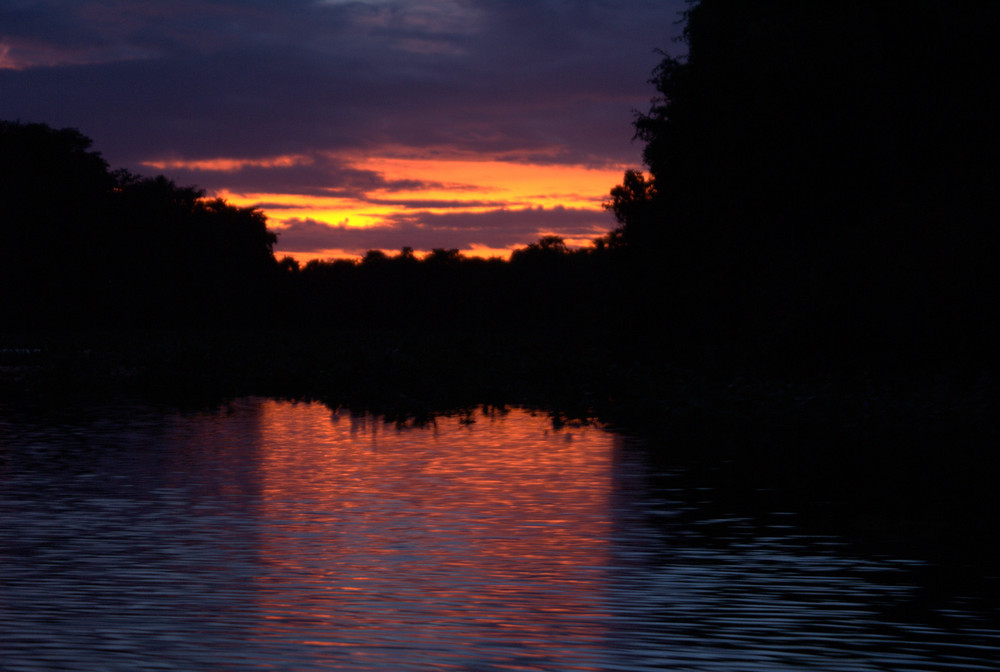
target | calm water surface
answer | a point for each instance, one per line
(279, 536)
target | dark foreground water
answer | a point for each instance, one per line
(279, 536)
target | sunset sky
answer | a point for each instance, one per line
(355, 124)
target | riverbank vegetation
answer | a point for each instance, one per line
(809, 258)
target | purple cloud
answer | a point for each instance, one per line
(228, 78)
(539, 81)
(496, 229)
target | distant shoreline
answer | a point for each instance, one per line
(583, 375)
(920, 450)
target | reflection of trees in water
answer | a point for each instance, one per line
(294, 536)
(485, 531)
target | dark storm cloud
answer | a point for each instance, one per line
(199, 79)
(494, 229)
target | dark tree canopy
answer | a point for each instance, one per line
(86, 246)
(827, 107)
(630, 202)
(827, 170)
(821, 183)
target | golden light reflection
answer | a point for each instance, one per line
(498, 527)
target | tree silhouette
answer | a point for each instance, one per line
(83, 246)
(630, 202)
(821, 174)
(548, 249)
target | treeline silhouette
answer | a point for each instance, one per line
(824, 180)
(821, 191)
(87, 247)
(543, 286)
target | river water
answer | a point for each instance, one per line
(270, 535)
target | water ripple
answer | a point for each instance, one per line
(283, 537)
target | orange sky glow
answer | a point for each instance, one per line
(442, 185)
(357, 125)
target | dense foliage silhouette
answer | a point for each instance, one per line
(824, 179)
(819, 215)
(821, 191)
(544, 286)
(87, 247)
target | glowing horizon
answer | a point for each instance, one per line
(412, 191)
(381, 124)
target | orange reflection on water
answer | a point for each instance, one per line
(469, 536)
